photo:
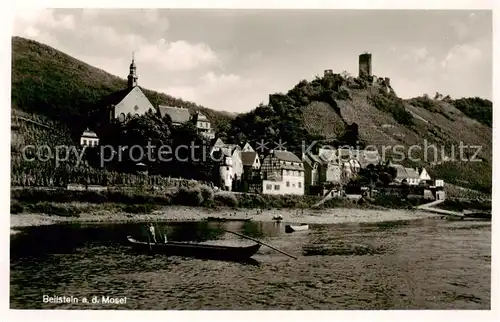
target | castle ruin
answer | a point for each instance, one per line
(365, 65)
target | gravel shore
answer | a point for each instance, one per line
(177, 213)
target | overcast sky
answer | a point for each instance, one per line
(231, 60)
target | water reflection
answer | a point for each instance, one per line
(66, 238)
(352, 266)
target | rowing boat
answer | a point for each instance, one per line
(196, 250)
(292, 228)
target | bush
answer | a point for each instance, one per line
(16, 207)
(394, 201)
(140, 209)
(188, 197)
(226, 199)
(50, 209)
(118, 196)
(208, 195)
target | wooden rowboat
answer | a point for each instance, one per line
(292, 228)
(196, 250)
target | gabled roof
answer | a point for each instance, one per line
(233, 147)
(317, 159)
(89, 134)
(226, 151)
(286, 156)
(400, 171)
(177, 114)
(202, 117)
(115, 98)
(248, 158)
(248, 147)
(219, 143)
(411, 173)
(307, 160)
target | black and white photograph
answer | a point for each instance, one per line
(251, 159)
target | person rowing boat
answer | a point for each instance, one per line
(152, 231)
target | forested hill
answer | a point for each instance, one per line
(48, 82)
(338, 109)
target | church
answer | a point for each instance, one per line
(130, 101)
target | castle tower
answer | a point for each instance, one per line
(365, 65)
(132, 76)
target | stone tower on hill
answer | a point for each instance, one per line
(365, 65)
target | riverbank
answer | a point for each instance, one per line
(180, 213)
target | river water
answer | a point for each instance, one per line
(418, 264)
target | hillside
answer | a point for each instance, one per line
(50, 83)
(334, 109)
(339, 109)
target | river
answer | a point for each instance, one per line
(416, 264)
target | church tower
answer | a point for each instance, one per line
(132, 76)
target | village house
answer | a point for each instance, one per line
(129, 102)
(203, 126)
(250, 161)
(282, 173)
(230, 163)
(410, 176)
(89, 139)
(321, 172)
(424, 177)
(251, 181)
(225, 168)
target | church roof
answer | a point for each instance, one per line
(178, 115)
(116, 97)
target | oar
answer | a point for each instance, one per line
(258, 241)
(149, 240)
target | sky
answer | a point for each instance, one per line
(233, 59)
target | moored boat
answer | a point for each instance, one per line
(292, 228)
(196, 250)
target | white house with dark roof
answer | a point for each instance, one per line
(408, 175)
(203, 126)
(129, 102)
(282, 173)
(424, 175)
(89, 139)
(231, 166)
(412, 176)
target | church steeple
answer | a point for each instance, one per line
(132, 76)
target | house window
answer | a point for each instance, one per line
(300, 184)
(276, 187)
(288, 184)
(269, 186)
(84, 142)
